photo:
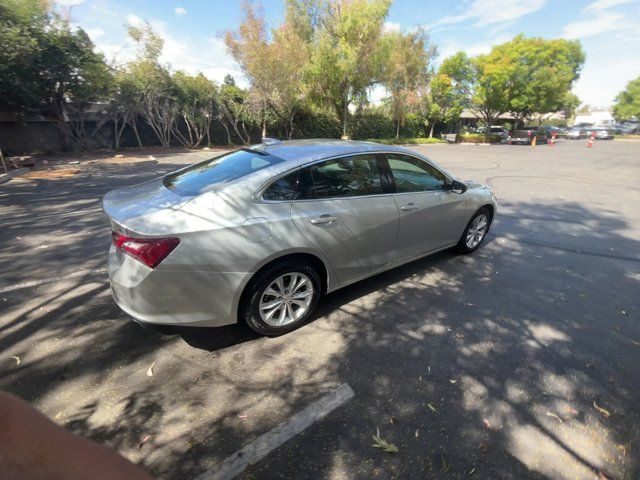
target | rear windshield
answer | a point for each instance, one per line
(203, 176)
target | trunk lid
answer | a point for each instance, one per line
(132, 209)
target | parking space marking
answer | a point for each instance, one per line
(35, 283)
(265, 444)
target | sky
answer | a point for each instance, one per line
(609, 31)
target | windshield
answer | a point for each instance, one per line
(200, 177)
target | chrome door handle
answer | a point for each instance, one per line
(323, 219)
(408, 207)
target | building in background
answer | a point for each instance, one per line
(599, 117)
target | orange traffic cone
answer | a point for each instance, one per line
(552, 140)
(590, 142)
(533, 141)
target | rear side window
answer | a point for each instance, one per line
(283, 189)
(202, 176)
(352, 176)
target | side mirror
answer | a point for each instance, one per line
(458, 187)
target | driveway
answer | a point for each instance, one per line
(518, 361)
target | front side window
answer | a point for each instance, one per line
(203, 176)
(413, 175)
(352, 176)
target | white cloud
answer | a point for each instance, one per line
(490, 12)
(485, 47)
(180, 11)
(447, 49)
(391, 27)
(134, 20)
(95, 33)
(601, 5)
(601, 23)
(601, 81)
(69, 3)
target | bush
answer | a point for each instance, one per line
(405, 140)
(479, 138)
(316, 125)
(371, 125)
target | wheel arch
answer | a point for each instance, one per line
(314, 260)
(490, 207)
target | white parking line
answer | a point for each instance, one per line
(265, 444)
(35, 283)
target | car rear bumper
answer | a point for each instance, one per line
(174, 297)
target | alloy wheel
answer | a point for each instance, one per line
(286, 299)
(477, 231)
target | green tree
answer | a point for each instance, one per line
(491, 92)
(123, 107)
(49, 68)
(249, 46)
(153, 85)
(449, 91)
(406, 65)
(627, 103)
(570, 103)
(460, 69)
(345, 50)
(196, 97)
(272, 63)
(540, 74)
(441, 106)
(232, 103)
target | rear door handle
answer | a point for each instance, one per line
(408, 207)
(322, 219)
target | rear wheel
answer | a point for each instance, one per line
(281, 298)
(476, 231)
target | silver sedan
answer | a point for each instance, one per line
(259, 234)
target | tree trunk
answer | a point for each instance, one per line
(228, 132)
(264, 127)
(433, 124)
(135, 130)
(4, 165)
(398, 129)
(116, 136)
(345, 111)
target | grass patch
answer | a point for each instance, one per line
(404, 141)
(634, 136)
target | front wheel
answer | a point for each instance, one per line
(281, 299)
(476, 231)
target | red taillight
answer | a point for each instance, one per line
(150, 251)
(529, 133)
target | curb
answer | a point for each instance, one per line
(5, 177)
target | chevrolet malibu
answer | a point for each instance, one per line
(259, 234)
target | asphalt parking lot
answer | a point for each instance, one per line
(518, 361)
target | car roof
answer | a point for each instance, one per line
(299, 152)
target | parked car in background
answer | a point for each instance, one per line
(601, 133)
(577, 133)
(501, 131)
(560, 132)
(257, 235)
(630, 128)
(526, 135)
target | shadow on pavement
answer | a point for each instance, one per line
(515, 362)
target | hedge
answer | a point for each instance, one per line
(479, 138)
(405, 141)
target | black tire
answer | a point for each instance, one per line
(462, 243)
(250, 307)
